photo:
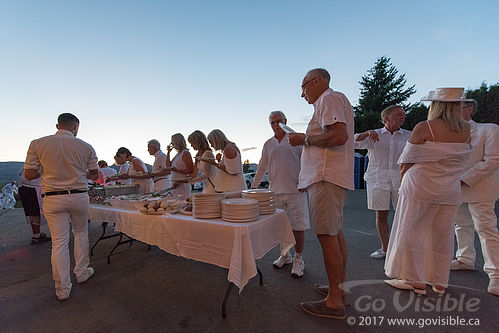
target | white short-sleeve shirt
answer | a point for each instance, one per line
(282, 161)
(64, 161)
(332, 164)
(383, 171)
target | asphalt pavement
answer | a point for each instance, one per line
(149, 290)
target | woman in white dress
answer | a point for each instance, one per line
(421, 244)
(204, 171)
(181, 167)
(229, 172)
(137, 171)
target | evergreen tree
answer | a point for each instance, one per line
(417, 112)
(381, 87)
(487, 99)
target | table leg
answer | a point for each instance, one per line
(120, 242)
(260, 275)
(229, 289)
(103, 236)
(104, 226)
(224, 304)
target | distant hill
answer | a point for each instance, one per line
(10, 171)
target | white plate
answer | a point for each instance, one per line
(240, 221)
(257, 191)
(239, 201)
(286, 128)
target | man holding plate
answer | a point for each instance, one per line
(282, 162)
(327, 173)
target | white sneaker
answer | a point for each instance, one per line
(283, 260)
(89, 272)
(298, 268)
(493, 287)
(378, 254)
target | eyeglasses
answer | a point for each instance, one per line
(303, 85)
(276, 122)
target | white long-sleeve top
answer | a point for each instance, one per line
(481, 176)
(282, 162)
(383, 169)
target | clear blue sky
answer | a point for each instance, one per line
(137, 70)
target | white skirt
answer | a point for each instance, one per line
(421, 243)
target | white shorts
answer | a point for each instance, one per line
(295, 205)
(379, 199)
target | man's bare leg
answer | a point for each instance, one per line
(35, 225)
(383, 229)
(334, 264)
(299, 239)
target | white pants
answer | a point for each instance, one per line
(162, 184)
(9, 201)
(484, 220)
(182, 191)
(61, 212)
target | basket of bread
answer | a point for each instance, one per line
(162, 206)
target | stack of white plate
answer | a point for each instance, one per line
(240, 210)
(206, 205)
(265, 199)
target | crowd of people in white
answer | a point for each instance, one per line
(425, 175)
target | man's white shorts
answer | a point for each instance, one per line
(379, 199)
(295, 205)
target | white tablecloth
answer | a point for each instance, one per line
(235, 246)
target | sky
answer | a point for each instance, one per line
(132, 71)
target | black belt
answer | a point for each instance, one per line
(157, 180)
(46, 194)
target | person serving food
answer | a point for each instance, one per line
(229, 172)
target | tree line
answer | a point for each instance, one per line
(382, 86)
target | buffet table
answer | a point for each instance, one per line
(235, 246)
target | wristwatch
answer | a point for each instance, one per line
(306, 141)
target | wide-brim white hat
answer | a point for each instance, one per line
(447, 95)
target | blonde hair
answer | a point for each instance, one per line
(178, 142)
(450, 113)
(388, 111)
(219, 139)
(199, 138)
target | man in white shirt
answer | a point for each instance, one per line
(282, 161)
(327, 173)
(160, 182)
(66, 163)
(384, 147)
(480, 190)
(8, 190)
(105, 172)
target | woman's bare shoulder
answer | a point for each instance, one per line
(420, 133)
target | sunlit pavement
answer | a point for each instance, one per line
(151, 291)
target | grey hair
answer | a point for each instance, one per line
(471, 103)
(280, 113)
(388, 111)
(154, 143)
(320, 72)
